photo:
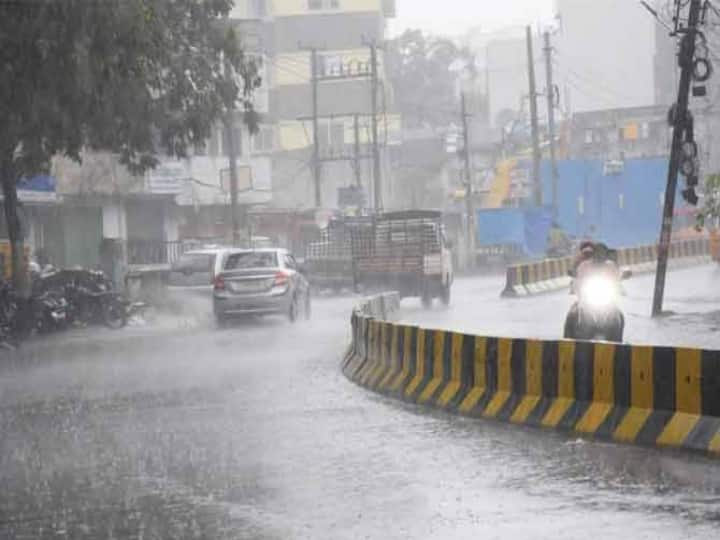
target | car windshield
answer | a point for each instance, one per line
(255, 259)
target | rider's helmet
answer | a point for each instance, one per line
(587, 250)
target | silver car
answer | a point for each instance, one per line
(260, 282)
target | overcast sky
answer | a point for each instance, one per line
(452, 17)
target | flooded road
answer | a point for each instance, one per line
(252, 432)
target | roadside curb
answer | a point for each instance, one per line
(551, 274)
(654, 396)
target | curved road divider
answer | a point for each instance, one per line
(551, 274)
(659, 396)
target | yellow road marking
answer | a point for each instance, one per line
(395, 360)
(677, 430)
(715, 444)
(631, 425)
(479, 384)
(533, 378)
(603, 389)
(407, 360)
(453, 387)
(566, 385)
(504, 379)
(419, 364)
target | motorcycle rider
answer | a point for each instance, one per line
(595, 265)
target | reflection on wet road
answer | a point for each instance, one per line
(252, 432)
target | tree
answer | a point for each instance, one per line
(709, 213)
(133, 77)
(420, 67)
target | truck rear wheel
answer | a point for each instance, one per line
(445, 295)
(426, 299)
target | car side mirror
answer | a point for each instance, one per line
(626, 274)
(572, 273)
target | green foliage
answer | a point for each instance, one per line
(419, 67)
(133, 77)
(709, 213)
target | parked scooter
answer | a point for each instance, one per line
(596, 315)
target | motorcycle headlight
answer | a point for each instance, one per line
(599, 292)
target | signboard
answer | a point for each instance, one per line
(168, 178)
(38, 189)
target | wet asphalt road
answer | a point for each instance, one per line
(189, 432)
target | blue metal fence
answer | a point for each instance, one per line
(622, 210)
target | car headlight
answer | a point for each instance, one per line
(599, 292)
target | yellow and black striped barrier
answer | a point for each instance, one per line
(552, 274)
(659, 396)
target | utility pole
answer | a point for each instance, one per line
(550, 92)
(377, 173)
(534, 118)
(356, 152)
(468, 181)
(317, 171)
(229, 125)
(686, 60)
(232, 158)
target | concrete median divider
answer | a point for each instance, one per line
(657, 396)
(551, 274)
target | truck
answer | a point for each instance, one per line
(328, 260)
(404, 251)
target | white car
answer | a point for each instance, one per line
(197, 269)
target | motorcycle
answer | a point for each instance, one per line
(92, 299)
(50, 312)
(48, 305)
(596, 314)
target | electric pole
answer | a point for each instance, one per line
(356, 152)
(468, 181)
(229, 122)
(681, 124)
(317, 172)
(534, 119)
(550, 92)
(377, 173)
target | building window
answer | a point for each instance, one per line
(263, 142)
(645, 130)
(317, 5)
(588, 136)
(331, 65)
(332, 137)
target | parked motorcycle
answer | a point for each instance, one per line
(596, 315)
(93, 299)
(8, 317)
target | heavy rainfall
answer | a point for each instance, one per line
(343, 269)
